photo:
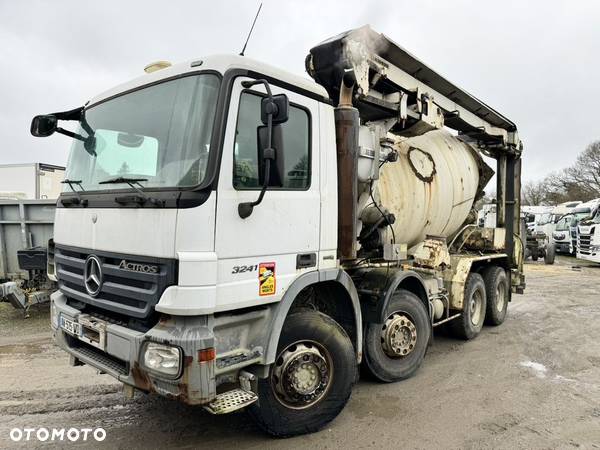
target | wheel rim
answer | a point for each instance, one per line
(302, 374)
(398, 335)
(500, 297)
(475, 307)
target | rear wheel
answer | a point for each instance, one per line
(395, 349)
(469, 324)
(311, 379)
(497, 291)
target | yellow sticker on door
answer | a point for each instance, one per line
(266, 278)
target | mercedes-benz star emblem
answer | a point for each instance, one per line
(92, 275)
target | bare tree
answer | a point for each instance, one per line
(584, 175)
(534, 193)
(578, 182)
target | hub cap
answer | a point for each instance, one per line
(398, 335)
(475, 307)
(301, 375)
(500, 297)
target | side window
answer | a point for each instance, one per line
(295, 152)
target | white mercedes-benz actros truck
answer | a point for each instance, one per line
(232, 235)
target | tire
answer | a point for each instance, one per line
(469, 324)
(535, 254)
(497, 292)
(304, 333)
(550, 254)
(405, 314)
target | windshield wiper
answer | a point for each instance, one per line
(134, 183)
(77, 200)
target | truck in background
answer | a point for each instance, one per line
(31, 181)
(26, 227)
(588, 231)
(562, 235)
(232, 239)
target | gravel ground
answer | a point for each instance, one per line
(533, 382)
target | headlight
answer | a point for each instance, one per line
(162, 359)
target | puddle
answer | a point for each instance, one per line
(539, 369)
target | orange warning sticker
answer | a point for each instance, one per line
(266, 278)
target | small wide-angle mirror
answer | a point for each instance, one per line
(278, 105)
(43, 126)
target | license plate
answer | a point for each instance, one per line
(70, 326)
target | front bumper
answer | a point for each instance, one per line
(122, 353)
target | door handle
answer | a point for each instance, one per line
(306, 260)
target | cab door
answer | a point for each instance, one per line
(261, 255)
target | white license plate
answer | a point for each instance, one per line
(70, 326)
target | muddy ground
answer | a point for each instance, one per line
(533, 382)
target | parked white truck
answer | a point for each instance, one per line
(588, 232)
(30, 181)
(233, 238)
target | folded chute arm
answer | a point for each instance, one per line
(393, 84)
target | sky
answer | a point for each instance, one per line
(536, 62)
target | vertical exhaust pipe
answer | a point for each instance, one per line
(347, 124)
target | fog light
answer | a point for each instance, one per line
(162, 359)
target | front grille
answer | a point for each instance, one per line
(126, 292)
(583, 243)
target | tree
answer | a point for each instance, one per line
(584, 175)
(534, 193)
(581, 181)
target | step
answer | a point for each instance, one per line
(231, 401)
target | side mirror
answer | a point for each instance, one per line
(44, 126)
(273, 111)
(277, 159)
(278, 106)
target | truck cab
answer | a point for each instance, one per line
(588, 235)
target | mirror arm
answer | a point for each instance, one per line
(246, 208)
(70, 134)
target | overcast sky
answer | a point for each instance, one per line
(536, 62)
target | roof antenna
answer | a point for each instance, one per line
(251, 28)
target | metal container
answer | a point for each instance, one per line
(432, 186)
(23, 224)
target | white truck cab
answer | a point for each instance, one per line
(230, 238)
(588, 233)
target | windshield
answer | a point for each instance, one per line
(544, 218)
(582, 213)
(160, 134)
(563, 224)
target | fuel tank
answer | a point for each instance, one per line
(432, 186)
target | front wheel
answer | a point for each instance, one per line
(311, 379)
